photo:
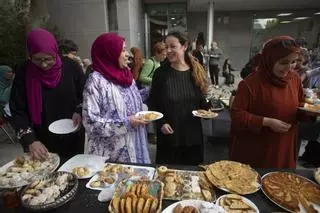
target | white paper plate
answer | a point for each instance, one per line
(246, 200)
(195, 203)
(93, 162)
(196, 114)
(160, 115)
(63, 126)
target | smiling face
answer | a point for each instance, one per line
(284, 65)
(175, 50)
(124, 57)
(43, 60)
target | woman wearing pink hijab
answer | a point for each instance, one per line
(110, 102)
(46, 88)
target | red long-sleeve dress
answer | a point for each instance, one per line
(257, 145)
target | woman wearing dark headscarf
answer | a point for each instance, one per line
(265, 110)
(111, 100)
(46, 89)
(6, 78)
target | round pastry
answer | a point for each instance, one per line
(162, 170)
(95, 184)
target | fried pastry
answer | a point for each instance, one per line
(128, 205)
(140, 205)
(154, 205)
(116, 204)
(123, 204)
(134, 204)
(147, 205)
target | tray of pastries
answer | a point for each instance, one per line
(193, 206)
(234, 203)
(24, 169)
(134, 195)
(112, 174)
(181, 185)
(291, 192)
(149, 115)
(49, 192)
(234, 177)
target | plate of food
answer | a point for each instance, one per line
(83, 165)
(315, 108)
(233, 177)
(201, 113)
(149, 115)
(24, 169)
(237, 203)
(111, 174)
(182, 184)
(317, 175)
(291, 192)
(49, 192)
(193, 206)
(137, 196)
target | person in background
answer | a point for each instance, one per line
(151, 64)
(46, 89)
(302, 66)
(265, 110)
(215, 54)
(227, 67)
(226, 72)
(178, 88)
(87, 67)
(251, 66)
(137, 62)
(68, 48)
(198, 54)
(111, 100)
(6, 79)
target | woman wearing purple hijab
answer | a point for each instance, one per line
(110, 101)
(46, 88)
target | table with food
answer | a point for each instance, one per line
(89, 183)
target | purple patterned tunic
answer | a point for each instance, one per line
(106, 108)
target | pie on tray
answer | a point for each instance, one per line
(233, 176)
(288, 190)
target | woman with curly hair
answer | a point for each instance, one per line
(178, 87)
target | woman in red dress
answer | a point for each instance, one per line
(265, 110)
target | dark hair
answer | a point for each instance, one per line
(225, 64)
(198, 73)
(66, 46)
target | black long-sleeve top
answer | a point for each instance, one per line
(58, 103)
(174, 94)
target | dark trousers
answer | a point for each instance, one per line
(214, 74)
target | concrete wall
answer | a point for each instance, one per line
(131, 22)
(79, 20)
(235, 36)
